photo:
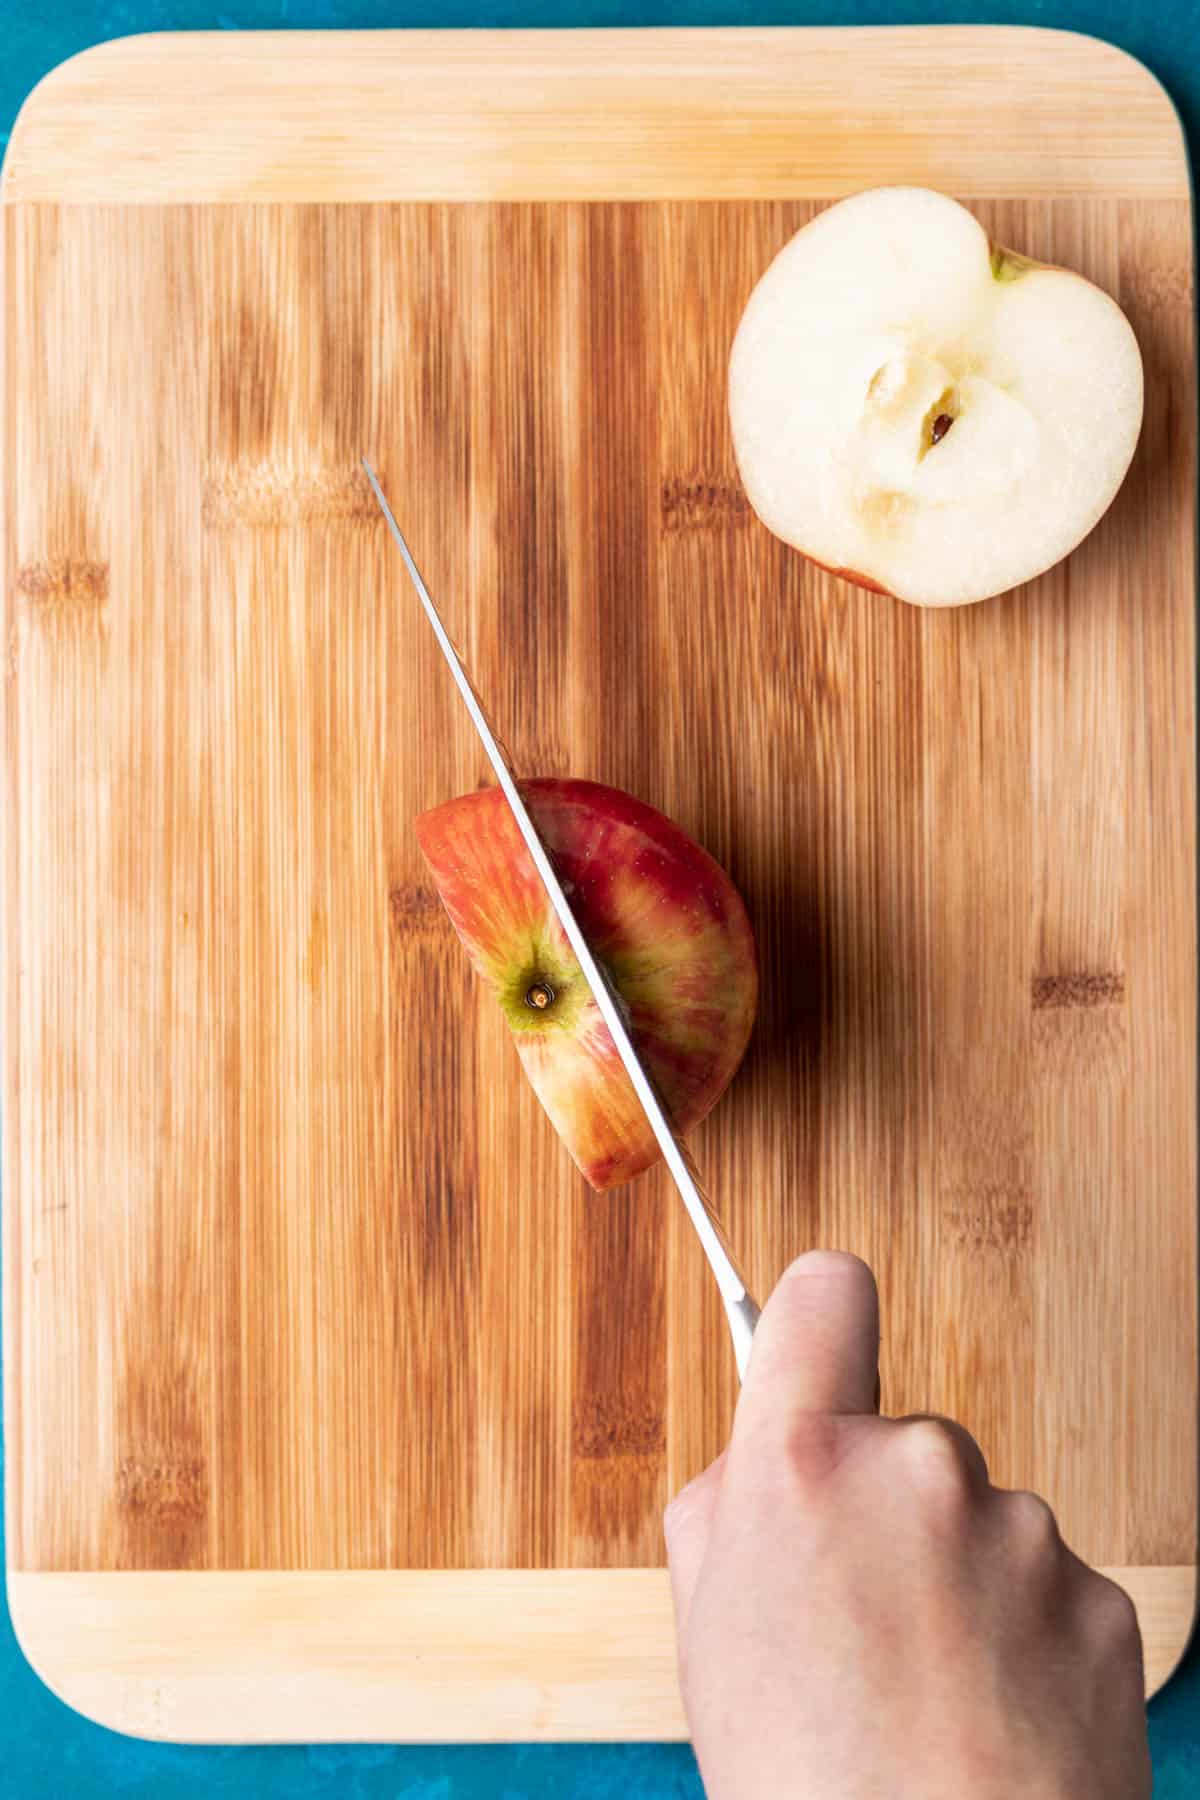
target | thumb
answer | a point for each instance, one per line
(816, 1349)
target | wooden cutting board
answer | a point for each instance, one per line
(336, 1407)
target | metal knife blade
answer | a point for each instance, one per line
(740, 1308)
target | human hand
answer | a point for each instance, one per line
(862, 1616)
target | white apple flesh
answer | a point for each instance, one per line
(924, 413)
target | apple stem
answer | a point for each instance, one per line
(539, 995)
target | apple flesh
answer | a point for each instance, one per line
(923, 412)
(663, 919)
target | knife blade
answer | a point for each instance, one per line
(740, 1309)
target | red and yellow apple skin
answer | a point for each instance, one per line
(664, 920)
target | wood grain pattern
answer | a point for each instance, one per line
(596, 115)
(297, 1276)
(362, 1656)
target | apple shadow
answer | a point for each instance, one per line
(767, 1127)
(829, 1097)
(787, 1040)
(1162, 475)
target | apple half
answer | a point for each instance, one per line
(664, 920)
(923, 412)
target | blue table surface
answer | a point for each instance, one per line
(47, 1750)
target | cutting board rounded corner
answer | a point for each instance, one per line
(357, 1656)
(1167, 1616)
(1130, 68)
(43, 97)
(1139, 72)
(43, 1649)
(1172, 1659)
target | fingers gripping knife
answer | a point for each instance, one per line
(740, 1309)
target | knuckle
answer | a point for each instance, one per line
(686, 1509)
(1033, 1523)
(677, 1516)
(814, 1447)
(1116, 1613)
(673, 1518)
(934, 1459)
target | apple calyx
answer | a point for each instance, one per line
(544, 990)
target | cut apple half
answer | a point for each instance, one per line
(923, 412)
(661, 916)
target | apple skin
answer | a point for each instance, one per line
(851, 575)
(665, 922)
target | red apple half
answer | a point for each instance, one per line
(662, 917)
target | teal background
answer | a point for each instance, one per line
(47, 1750)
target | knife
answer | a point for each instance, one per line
(740, 1308)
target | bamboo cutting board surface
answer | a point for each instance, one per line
(336, 1406)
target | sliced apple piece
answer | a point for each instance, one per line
(923, 412)
(663, 918)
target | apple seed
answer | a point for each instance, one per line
(539, 995)
(940, 427)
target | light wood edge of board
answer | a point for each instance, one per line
(401, 1656)
(577, 115)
